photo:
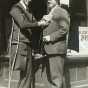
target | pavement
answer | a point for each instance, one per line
(4, 77)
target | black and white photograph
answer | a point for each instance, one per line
(43, 43)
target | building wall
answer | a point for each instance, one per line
(77, 73)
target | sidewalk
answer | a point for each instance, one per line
(4, 78)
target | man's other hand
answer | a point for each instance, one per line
(46, 38)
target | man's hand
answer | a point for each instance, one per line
(37, 56)
(46, 38)
(47, 18)
(43, 23)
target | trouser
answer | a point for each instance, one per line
(50, 74)
(26, 74)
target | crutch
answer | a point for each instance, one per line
(11, 67)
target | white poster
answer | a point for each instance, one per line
(66, 2)
(83, 40)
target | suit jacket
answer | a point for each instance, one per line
(57, 30)
(23, 25)
(24, 22)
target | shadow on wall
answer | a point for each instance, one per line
(5, 6)
(39, 8)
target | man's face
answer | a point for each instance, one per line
(51, 3)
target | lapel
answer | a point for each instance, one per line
(29, 15)
(20, 5)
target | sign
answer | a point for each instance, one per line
(66, 2)
(83, 40)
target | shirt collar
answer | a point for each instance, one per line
(21, 2)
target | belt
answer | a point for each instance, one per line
(57, 40)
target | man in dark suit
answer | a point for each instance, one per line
(21, 52)
(55, 37)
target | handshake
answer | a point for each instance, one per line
(43, 23)
(45, 20)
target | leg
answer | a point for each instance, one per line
(26, 75)
(52, 75)
(56, 68)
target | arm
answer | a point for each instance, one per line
(58, 34)
(19, 18)
(61, 32)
